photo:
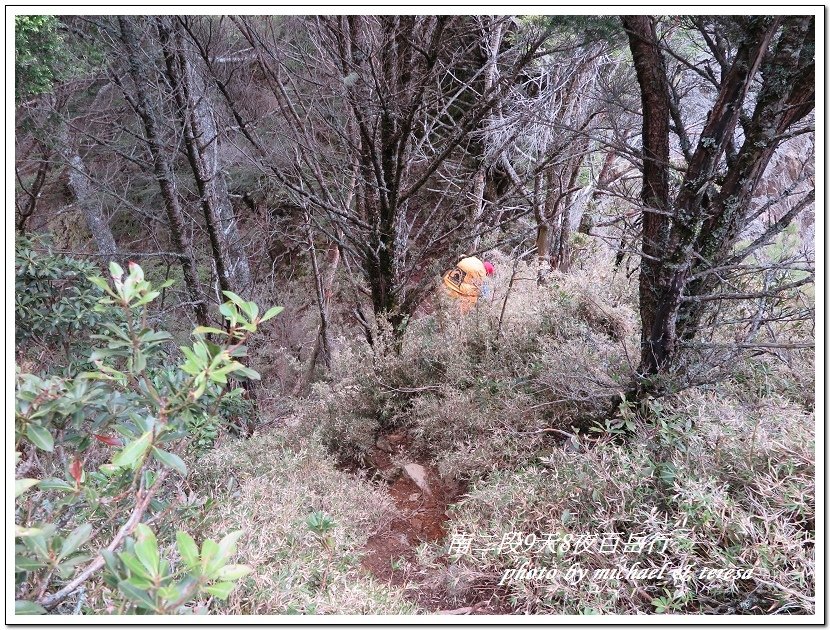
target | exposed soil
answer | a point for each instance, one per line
(423, 514)
(390, 554)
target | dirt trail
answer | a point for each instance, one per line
(423, 509)
(422, 498)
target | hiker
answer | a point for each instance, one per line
(465, 282)
(486, 287)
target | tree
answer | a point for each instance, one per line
(398, 96)
(196, 118)
(37, 54)
(691, 230)
(142, 102)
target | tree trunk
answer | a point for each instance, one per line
(656, 295)
(322, 342)
(561, 258)
(84, 199)
(543, 248)
(542, 212)
(162, 169)
(25, 210)
(201, 136)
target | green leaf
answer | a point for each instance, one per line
(220, 375)
(26, 531)
(109, 469)
(200, 389)
(168, 593)
(99, 282)
(155, 336)
(75, 539)
(146, 549)
(133, 451)
(145, 423)
(172, 460)
(53, 483)
(25, 563)
(115, 270)
(240, 303)
(272, 312)
(137, 595)
(238, 351)
(220, 590)
(24, 607)
(36, 543)
(139, 362)
(215, 556)
(204, 330)
(40, 437)
(136, 272)
(67, 568)
(209, 552)
(228, 311)
(247, 372)
(133, 564)
(233, 572)
(147, 298)
(110, 561)
(227, 546)
(178, 591)
(21, 485)
(75, 560)
(187, 549)
(140, 582)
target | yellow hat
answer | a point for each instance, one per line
(472, 266)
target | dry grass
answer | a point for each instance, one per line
(724, 473)
(727, 488)
(268, 490)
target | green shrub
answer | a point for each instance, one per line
(134, 412)
(55, 306)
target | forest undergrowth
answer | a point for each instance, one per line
(430, 314)
(699, 502)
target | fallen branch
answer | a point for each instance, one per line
(409, 390)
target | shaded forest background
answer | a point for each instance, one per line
(645, 187)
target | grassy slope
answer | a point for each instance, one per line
(726, 473)
(269, 488)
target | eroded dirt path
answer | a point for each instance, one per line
(422, 499)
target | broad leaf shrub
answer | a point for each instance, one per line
(55, 306)
(110, 437)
